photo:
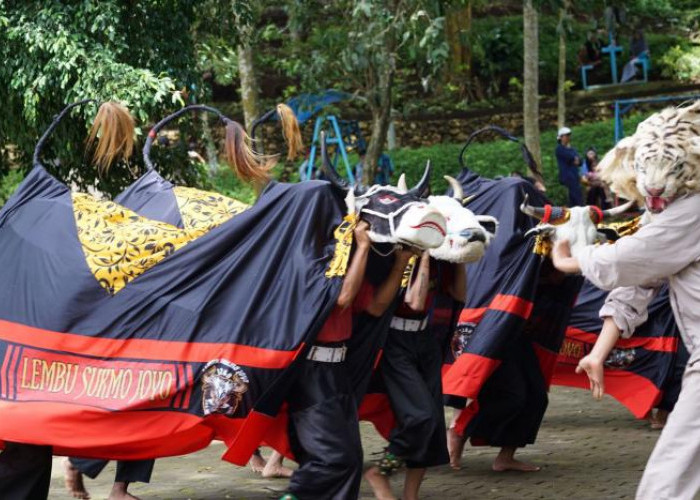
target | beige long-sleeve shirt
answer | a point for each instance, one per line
(668, 247)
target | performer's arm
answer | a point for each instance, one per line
(458, 290)
(625, 309)
(386, 292)
(658, 250)
(356, 271)
(593, 363)
(418, 290)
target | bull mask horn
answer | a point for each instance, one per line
(527, 209)
(328, 169)
(614, 212)
(402, 183)
(457, 191)
(423, 187)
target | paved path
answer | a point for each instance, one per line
(588, 450)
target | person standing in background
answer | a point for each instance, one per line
(568, 162)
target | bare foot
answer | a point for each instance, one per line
(658, 419)
(119, 492)
(74, 481)
(380, 484)
(257, 463)
(275, 470)
(455, 446)
(502, 464)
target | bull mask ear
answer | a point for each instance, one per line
(457, 191)
(422, 189)
(614, 212)
(402, 183)
(328, 169)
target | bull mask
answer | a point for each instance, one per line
(395, 216)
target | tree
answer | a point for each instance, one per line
(356, 45)
(531, 104)
(55, 53)
(561, 75)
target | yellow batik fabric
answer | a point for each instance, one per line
(120, 245)
(202, 211)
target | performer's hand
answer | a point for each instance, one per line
(362, 234)
(562, 259)
(594, 369)
(404, 254)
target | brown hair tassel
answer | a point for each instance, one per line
(245, 163)
(290, 131)
(113, 128)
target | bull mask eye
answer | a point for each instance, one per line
(678, 167)
(388, 199)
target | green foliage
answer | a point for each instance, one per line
(8, 184)
(682, 63)
(55, 53)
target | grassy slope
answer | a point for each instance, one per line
(495, 157)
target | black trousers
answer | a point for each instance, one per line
(324, 434)
(411, 370)
(25, 472)
(128, 471)
(513, 400)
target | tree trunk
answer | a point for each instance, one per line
(561, 76)
(249, 85)
(381, 117)
(531, 104)
(209, 145)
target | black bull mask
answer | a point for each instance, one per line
(394, 215)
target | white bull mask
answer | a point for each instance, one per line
(394, 216)
(578, 225)
(467, 235)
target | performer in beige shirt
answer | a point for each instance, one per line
(667, 248)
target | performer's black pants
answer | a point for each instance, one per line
(324, 434)
(411, 370)
(513, 400)
(25, 472)
(128, 471)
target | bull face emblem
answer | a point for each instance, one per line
(461, 338)
(621, 358)
(223, 386)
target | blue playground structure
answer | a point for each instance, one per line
(612, 49)
(622, 106)
(343, 134)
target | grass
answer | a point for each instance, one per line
(491, 158)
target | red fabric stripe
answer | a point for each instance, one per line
(14, 361)
(376, 408)
(4, 391)
(467, 374)
(548, 362)
(93, 432)
(511, 304)
(661, 344)
(465, 416)
(547, 213)
(635, 392)
(472, 315)
(145, 348)
(180, 387)
(248, 438)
